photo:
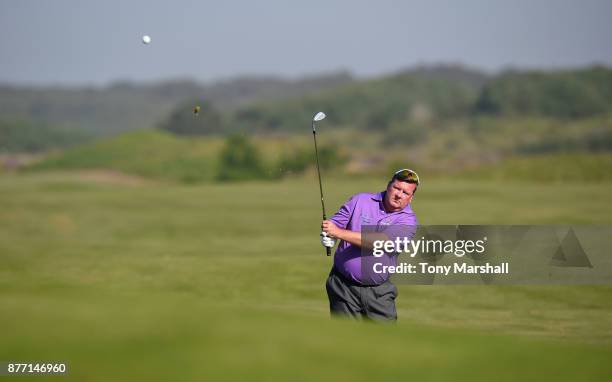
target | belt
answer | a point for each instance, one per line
(349, 281)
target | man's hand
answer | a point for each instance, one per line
(333, 231)
(330, 228)
(327, 241)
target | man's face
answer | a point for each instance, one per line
(398, 196)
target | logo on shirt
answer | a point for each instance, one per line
(365, 219)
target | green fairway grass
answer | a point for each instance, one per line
(158, 281)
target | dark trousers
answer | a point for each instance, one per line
(347, 298)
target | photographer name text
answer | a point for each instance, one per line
(456, 268)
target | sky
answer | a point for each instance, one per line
(76, 43)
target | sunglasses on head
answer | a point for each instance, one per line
(407, 175)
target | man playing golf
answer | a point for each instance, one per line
(352, 291)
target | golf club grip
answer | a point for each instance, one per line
(327, 249)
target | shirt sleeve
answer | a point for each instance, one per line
(342, 217)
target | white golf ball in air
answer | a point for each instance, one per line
(146, 39)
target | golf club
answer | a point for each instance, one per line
(318, 117)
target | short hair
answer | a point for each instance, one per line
(406, 175)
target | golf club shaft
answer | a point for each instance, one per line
(314, 135)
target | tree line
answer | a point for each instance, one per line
(411, 99)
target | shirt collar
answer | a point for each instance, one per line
(379, 196)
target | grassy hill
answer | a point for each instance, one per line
(147, 153)
(157, 155)
(476, 150)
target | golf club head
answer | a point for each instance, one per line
(319, 116)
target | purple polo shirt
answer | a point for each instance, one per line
(367, 209)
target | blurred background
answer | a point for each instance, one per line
(159, 210)
(438, 87)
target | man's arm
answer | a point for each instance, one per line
(353, 237)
